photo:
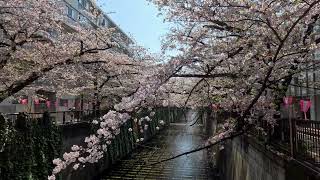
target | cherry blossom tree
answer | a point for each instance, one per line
(240, 54)
(247, 52)
(35, 40)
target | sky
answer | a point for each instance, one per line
(139, 19)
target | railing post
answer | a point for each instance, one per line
(46, 119)
(71, 113)
(291, 135)
(63, 117)
(294, 133)
(290, 132)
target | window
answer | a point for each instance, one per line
(82, 19)
(317, 26)
(88, 5)
(317, 55)
(84, 4)
(102, 22)
(80, 3)
(71, 13)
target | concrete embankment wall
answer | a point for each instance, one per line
(246, 158)
(243, 160)
(121, 146)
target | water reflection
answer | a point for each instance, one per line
(177, 139)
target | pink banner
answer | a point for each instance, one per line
(304, 107)
(24, 101)
(287, 100)
(36, 101)
(48, 104)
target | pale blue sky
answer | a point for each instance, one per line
(139, 19)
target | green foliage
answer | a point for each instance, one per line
(29, 153)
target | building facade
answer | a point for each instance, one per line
(87, 13)
(305, 86)
(76, 12)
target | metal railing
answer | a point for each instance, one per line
(307, 140)
(300, 140)
(58, 117)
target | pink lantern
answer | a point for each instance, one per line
(56, 103)
(24, 101)
(304, 107)
(36, 101)
(48, 104)
(287, 100)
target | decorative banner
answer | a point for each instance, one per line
(215, 106)
(36, 101)
(48, 104)
(304, 107)
(287, 100)
(57, 102)
(24, 101)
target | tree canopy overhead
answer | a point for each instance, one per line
(247, 51)
(240, 55)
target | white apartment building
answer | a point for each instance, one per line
(85, 13)
(306, 85)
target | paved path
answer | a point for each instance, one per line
(177, 139)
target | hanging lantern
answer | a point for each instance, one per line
(36, 101)
(288, 100)
(304, 107)
(24, 101)
(57, 102)
(48, 104)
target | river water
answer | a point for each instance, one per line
(176, 139)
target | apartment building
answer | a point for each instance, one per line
(305, 87)
(87, 14)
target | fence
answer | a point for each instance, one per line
(59, 117)
(307, 140)
(302, 143)
(24, 158)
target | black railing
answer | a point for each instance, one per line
(307, 140)
(299, 139)
(58, 117)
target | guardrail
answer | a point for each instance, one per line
(307, 140)
(57, 117)
(299, 139)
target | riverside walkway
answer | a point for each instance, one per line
(176, 139)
